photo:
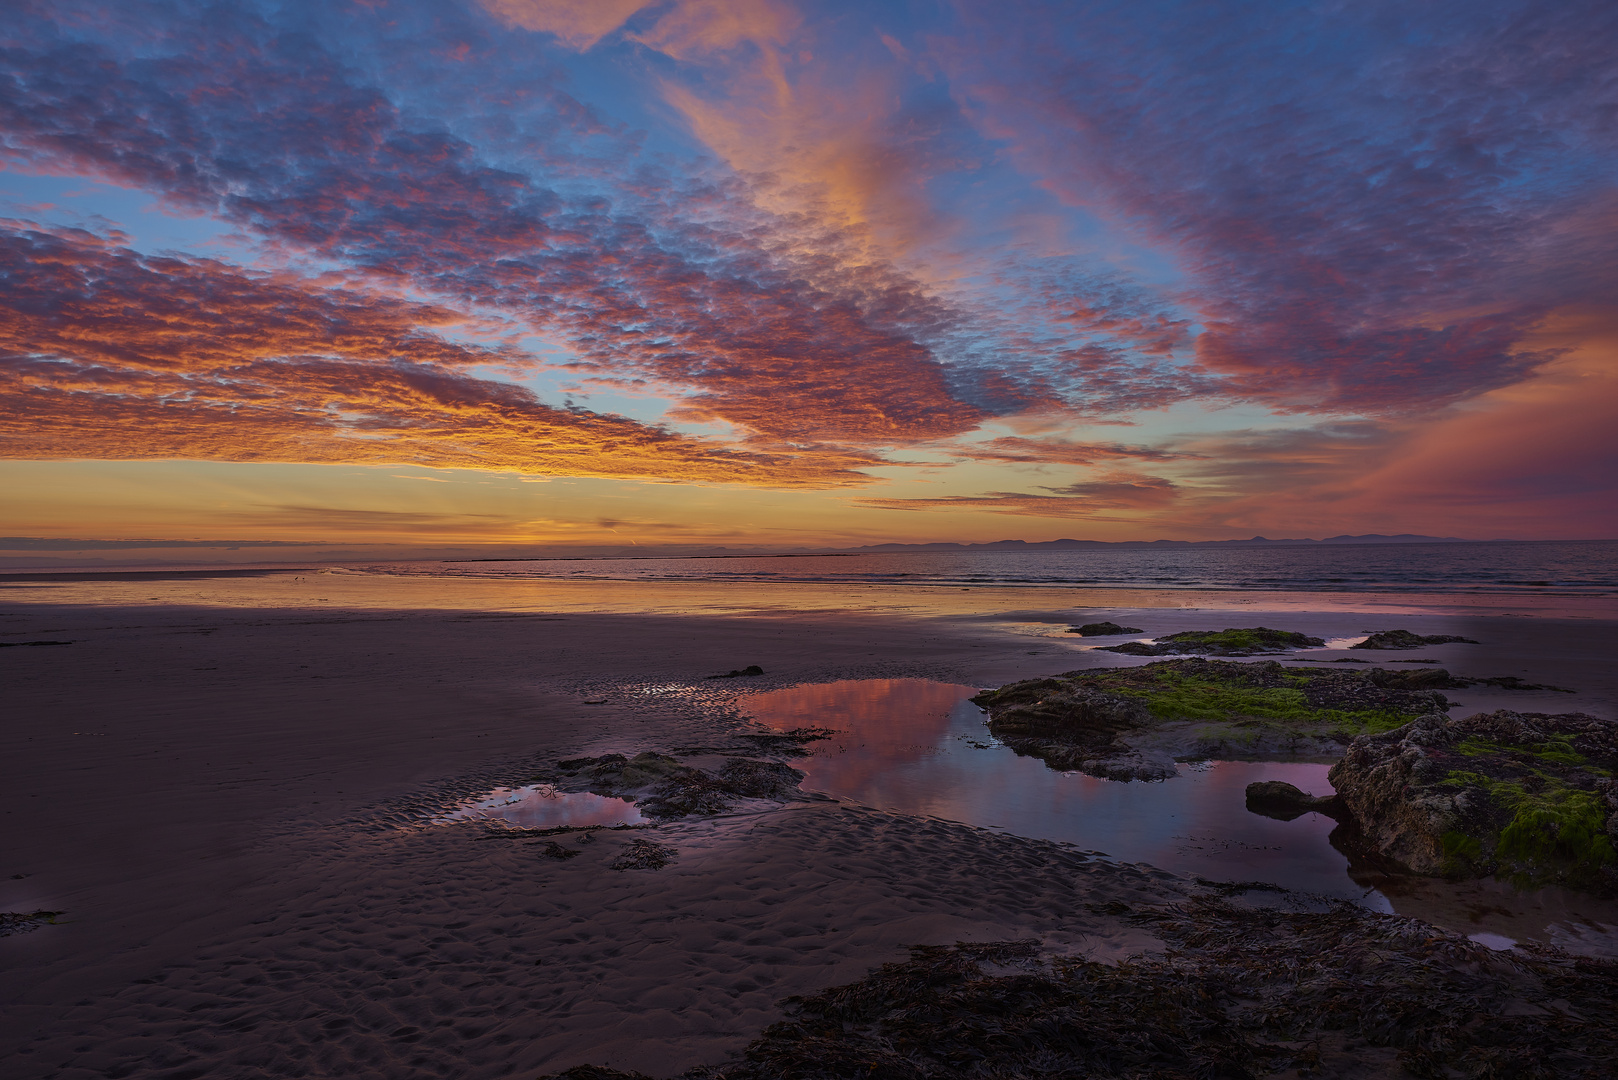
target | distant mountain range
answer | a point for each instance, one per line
(1257, 541)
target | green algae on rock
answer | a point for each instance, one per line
(1232, 641)
(1527, 797)
(1134, 723)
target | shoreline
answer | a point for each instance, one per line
(199, 770)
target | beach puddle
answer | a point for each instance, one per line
(540, 806)
(920, 747)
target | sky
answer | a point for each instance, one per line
(420, 277)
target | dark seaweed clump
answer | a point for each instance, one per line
(20, 922)
(642, 854)
(781, 743)
(694, 791)
(1236, 993)
(1252, 641)
(674, 790)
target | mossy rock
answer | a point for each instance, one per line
(1251, 641)
(1527, 797)
(1349, 701)
(1094, 720)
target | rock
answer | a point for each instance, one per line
(1252, 641)
(1525, 796)
(1404, 639)
(1280, 800)
(740, 673)
(595, 1072)
(1103, 629)
(1066, 712)
(1512, 682)
(1073, 727)
(1234, 990)
(1193, 708)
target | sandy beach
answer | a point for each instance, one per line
(226, 785)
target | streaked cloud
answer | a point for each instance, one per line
(818, 238)
(1077, 500)
(106, 353)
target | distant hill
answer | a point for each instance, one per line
(1257, 541)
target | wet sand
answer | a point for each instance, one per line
(222, 782)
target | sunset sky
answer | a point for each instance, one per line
(437, 276)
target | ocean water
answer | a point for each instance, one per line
(1566, 568)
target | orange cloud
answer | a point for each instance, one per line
(579, 24)
(107, 354)
(1016, 449)
(1117, 492)
(828, 144)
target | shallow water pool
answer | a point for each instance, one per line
(920, 747)
(540, 806)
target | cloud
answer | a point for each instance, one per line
(44, 543)
(107, 353)
(1119, 492)
(644, 288)
(1360, 220)
(579, 24)
(685, 281)
(1291, 207)
(1019, 450)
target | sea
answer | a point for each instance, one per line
(1565, 568)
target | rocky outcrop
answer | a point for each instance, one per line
(1528, 796)
(1283, 801)
(1136, 722)
(1251, 641)
(1075, 727)
(1404, 639)
(750, 671)
(1103, 629)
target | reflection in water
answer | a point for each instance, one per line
(540, 806)
(920, 747)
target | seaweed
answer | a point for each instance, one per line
(1212, 690)
(643, 854)
(20, 922)
(1236, 992)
